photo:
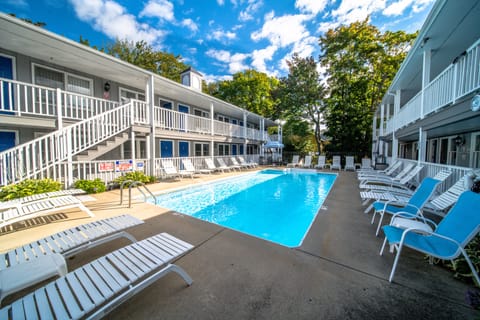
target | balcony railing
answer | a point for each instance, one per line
(456, 81)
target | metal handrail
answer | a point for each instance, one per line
(132, 185)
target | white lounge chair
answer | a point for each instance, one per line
(349, 163)
(376, 173)
(295, 160)
(308, 162)
(321, 162)
(189, 167)
(235, 164)
(336, 163)
(43, 253)
(212, 166)
(95, 289)
(387, 179)
(170, 171)
(40, 196)
(223, 165)
(23, 211)
(243, 162)
(366, 166)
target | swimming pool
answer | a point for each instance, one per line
(275, 205)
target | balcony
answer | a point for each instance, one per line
(456, 81)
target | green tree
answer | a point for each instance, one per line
(251, 90)
(302, 93)
(360, 62)
(144, 56)
(38, 23)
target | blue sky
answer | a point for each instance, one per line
(219, 37)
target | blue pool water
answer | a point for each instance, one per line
(274, 205)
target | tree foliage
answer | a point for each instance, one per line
(360, 62)
(251, 90)
(143, 55)
(302, 95)
(37, 23)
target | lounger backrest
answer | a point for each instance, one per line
(366, 163)
(321, 160)
(295, 158)
(234, 161)
(210, 164)
(462, 222)
(391, 169)
(423, 192)
(349, 161)
(406, 169)
(221, 162)
(308, 160)
(411, 175)
(336, 160)
(450, 196)
(187, 163)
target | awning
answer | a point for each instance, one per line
(273, 144)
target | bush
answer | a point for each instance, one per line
(91, 186)
(135, 176)
(28, 187)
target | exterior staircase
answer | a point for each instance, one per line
(102, 148)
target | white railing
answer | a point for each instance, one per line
(21, 98)
(453, 83)
(228, 129)
(40, 157)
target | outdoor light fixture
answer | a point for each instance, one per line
(459, 140)
(475, 104)
(106, 87)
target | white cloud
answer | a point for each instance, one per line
(112, 19)
(235, 62)
(260, 56)
(282, 31)
(161, 9)
(252, 8)
(397, 8)
(311, 6)
(221, 35)
(421, 5)
(221, 2)
(305, 47)
(190, 24)
(22, 4)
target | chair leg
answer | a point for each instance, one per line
(382, 213)
(373, 217)
(395, 262)
(383, 246)
(475, 274)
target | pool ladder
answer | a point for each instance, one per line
(141, 187)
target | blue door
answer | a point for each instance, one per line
(183, 119)
(166, 149)
(234, 149)
(183, 149)
(6, 71)
(7, 140)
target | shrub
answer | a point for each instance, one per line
(29, 187)
(91, 186)
(135, 176)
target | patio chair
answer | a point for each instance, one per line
(170, 171)
(366, 166)
(236, 164)
(449, 239)
(349, 163)
(380, 178)
(295, 160)
(43, 253)
(23, 211)
(243, 162)
(416, 202)
(321, 162)
(223, 165)
(336, 163)
(308, 162)
(377, 173)
(212, 166)
(95, 289)
(392, 184)
(189, 167)
(397, 194)
(40, 196)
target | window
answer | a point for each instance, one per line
(223, 150)
(223, 118)
(52, 78)
(201, 113)
(202, 149)
(130, 94)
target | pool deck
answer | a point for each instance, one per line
(336, 273)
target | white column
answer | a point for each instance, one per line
(262, 130)
(427, 55)
(422, 145)
(132, 141)
(59, 109)
(150, 96)
(244, 133)
(212, 130)
(396, 109)
(374, 133)
(381, 132)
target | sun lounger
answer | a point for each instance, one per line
(238, 165)
(243, 162)
(321, 162)
(28, 210)
(40, 196)
(170, 171)
(211, 165)
(308, 162)
(379, 179)
(336, 163)
(295, 160)
(95, 289)
(349, 164)
(447, 241)
(189, 167)
(376, 173)
(42, 254)
(223, 165)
